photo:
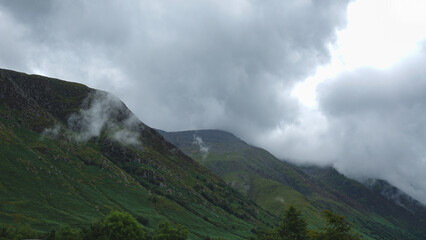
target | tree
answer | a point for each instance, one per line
(67, 233)
(336, 229)
(17, 233)
(263, 234)
(167, 232)
(293, 226)
(117, 226)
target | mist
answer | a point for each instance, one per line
(203, 148)
(100, 113)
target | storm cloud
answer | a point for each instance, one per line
(179, 64)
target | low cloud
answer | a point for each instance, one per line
(204, 149)
(377, 120)
(53, 132)
(100, 112)
(370, 124)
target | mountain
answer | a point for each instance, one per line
(70, 154)
(275, 184)
(396, 195)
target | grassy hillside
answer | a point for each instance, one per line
(70, 154)
(275, 185)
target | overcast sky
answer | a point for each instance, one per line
(325, 82)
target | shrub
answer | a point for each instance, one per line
(21, 232)
(115, 226)
(142, 220)
(67, 233)
(336, 229)
(167, 232)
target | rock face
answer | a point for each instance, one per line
(70, 154)
(275, 184)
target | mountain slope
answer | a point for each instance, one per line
(396, 195)
(358, 195)
(274, 185)
(70, 154)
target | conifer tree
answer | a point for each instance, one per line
(293, 226)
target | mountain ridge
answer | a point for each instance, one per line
(274, 185)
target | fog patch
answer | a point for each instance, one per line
(53, 132)
(204, 149)
(101, 113)
(126, 137)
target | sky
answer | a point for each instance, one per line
(331, 83)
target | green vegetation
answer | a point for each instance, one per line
(115, 226)
(275, 185)
(49, 179)
(167, 232)
(336, 229)
(121, 225)
(293, 227)
(18, 233)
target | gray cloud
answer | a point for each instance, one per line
(193, 64)
(370, 123)
(376, 120)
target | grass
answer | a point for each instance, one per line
(274, 185)
(50, 182)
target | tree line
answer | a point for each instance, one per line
(294, 227)
(115, 226)
(122, 225)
